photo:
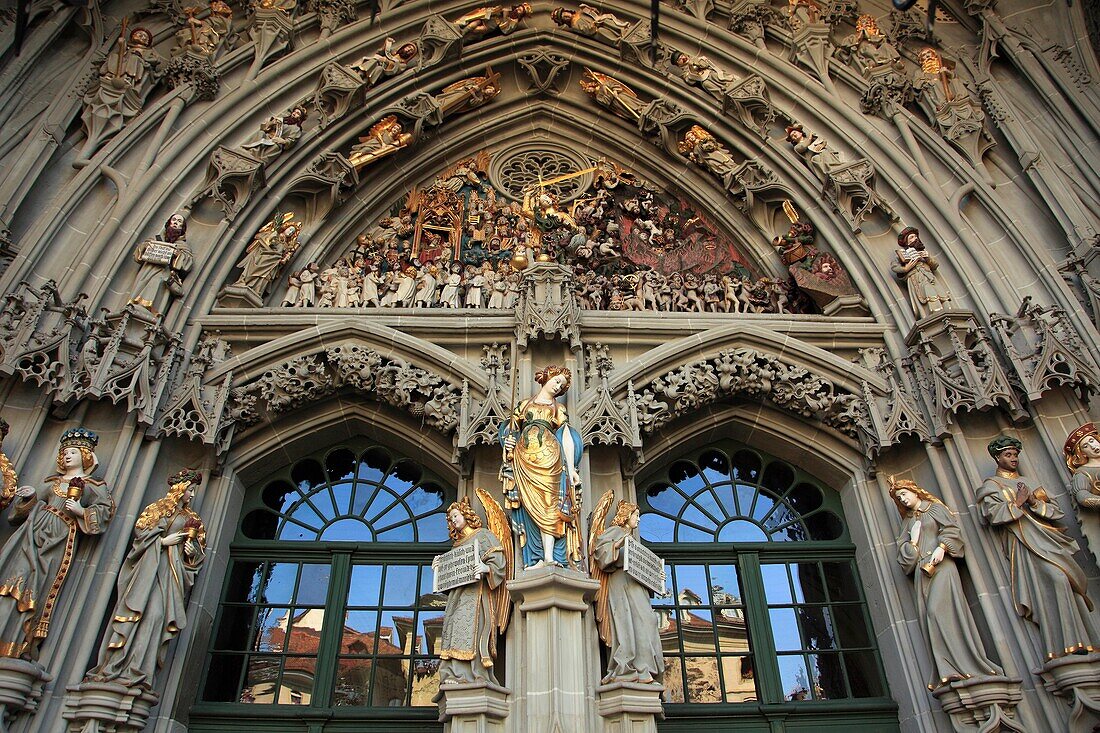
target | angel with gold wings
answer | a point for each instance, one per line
(385, 137)
(624, 617)
(477, 612)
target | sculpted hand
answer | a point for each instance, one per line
(189, 547)
(914, 533)
(510, 442)
(937, 555)
(172, 539)
(74, 508)
(25, 492)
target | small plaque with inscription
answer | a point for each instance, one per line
(456, 568)
(640, 563)
(158, 253)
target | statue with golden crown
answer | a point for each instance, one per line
(1082, 451)
(542, 485)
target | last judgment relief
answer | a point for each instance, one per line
(464, 241)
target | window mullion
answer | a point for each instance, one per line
(765, 661)
(329, 647)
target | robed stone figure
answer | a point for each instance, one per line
(1048, 586)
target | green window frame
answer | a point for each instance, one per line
(327, 620)
(765, 623)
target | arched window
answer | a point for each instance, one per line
(328, 602)
(764, 606)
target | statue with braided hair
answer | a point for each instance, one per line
(151, 607)
(929, 544)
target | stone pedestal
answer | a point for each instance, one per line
(982, 704)
(1077, 679)
(553, 678)
(630, 707)
(477, 707)
(20, 688)
(106, 707)
(238, 296)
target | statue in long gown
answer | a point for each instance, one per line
(541, 484)
(9, 480)
(35, 561)
(478, 612)
(151, 607)
(625, 619)
(929, 543)
(917, 268)
(1048, 586)
(271, 248)
(1082, 451)
(163, 262)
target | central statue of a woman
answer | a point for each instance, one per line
(541, 484)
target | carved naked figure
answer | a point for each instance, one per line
(167, 554)
(119, 90)
(626, 621)
(1049, 588)
(386, 62)
(478, 612)
(1082, 451)
(917, 268)
(270, 249)
(385, 137)
(929, 543)
(36, 559)
(542, 487)
(163, 262)
(276, 135)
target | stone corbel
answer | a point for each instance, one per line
(196, 409)
(270, 32)
(231, 179)
(473, 707)
(812, 47)
(339, 88)
(21, 685)
(982, 704)
(895, 413)
(1045, 351)
(630, 707)
(106, 707)
(196, 71)
(325, 184)
(40, 334)
(547, 307)
(1076, 678)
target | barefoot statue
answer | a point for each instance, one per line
(541, 484)
(478, 605)
(624, 617)
(36, 559)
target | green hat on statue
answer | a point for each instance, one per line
(1003, 443)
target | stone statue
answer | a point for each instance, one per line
(1082, 451)
(589, 21)
(467, 94)
(815, 150)
(9, 481)
(917, 267)
(271, 248)
(957, 116)
(385, 137)
(705, 151)
(478, 612)
(613, 94)
(35, 561)
(276, 135)
(868, 49)
(386, 62)
(929, 543)
(627, 622)
(542, 487)
(203, 37)
(151, 607)
(118, 92)
(163, 262)
(481, 22)
(1049, 588)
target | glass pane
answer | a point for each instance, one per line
(746, 466)
(400, 533)
(794, 679)
(223, 679)
(691, 584)
(715, 465)
(359, 632)
(375, 459)
(733, 633)
(702, 679)
(817, 627)
(777, 588)
(425, 499)
(271, 628)
(739, 678)
(296, 686)
(279, 495)
(429, 632)
(741, 530)
(279, 586)
(686, 533)
(432, 528)
(234, 627)
(305, 519)
(341, 498)
(805, 498)
(425, 683)
(313, 586)
(694, 516)
(406, 474)
(673, 680)
(655, 528)
(829, 676)
(808, 587)
(697, 627)
(307, 474)
(765, 503)
(664, 498)
(305, 631)
(391, 682)
(795, 532)
(863, 674)
(396, 516)
(395, 632)
(785, 629)
(366, 581)
(245, 579)
(840, 581)
(400, 585)
(340, 465)
(725, 588)
(364, 494)
(851, 626)
(725, 499)
(348, 529)
(381, 503)
(777, 477)
(261, 680)
(707, 502)
(352, 682)
(824, 526)
(260, 524)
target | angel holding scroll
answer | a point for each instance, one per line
(477, 611)
(624, 617)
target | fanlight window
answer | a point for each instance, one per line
(372, 497)
(738, 498)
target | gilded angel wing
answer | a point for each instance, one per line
(10, 482)
(502, 529)
(595, 529)
(381, 126)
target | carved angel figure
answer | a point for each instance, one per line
(541, 484)
(168, 551)
(928, 545)
(706, 152)
(35, 561)
(8, 477)
(1082, 451)
(477, 612)
(385, 137)
(626, 621)
(613, 94)
(1049, 588)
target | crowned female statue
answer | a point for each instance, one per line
(541, 484)
(1082, 451)
(151, 607)
(929, 543)
(35, 561)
